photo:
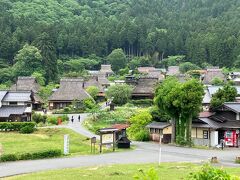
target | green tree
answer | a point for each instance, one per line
(217, 81)
(226, 94)
(93, 91)
(45, 44)
(117, 59)
(120, 93)
(181, 102)
(138, 123)
(28, 60)
(39, 77)
(187, 66)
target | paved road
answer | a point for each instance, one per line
(144, 153)
(78, 126)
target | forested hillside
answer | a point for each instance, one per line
(205, 31)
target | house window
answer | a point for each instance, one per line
(205, 134)
(12, 103)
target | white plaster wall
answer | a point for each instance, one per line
(214, 138)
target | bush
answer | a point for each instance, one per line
(8, 157)
(142, 135)
(16, 126)
(138, 123)
(34, 155)
(210, 173)
(39, 118)
(52, 120)
(142, 102)
(89, 103)
(27, 130)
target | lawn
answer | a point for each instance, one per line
(43, 139)
(167, 171)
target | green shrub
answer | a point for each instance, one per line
(52, 120)
(32, 156)
(209, 173)
(142, 102)
(67, 109)
(15, 126)
(142, 135)
(138, 123)
(39, 118)
(8, 157)
(27, 130)
(63, 117)
(89, 103)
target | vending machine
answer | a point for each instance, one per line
(231, 138)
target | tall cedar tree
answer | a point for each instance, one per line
(46, 45)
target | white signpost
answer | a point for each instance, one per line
(160, 149)
(66, 144)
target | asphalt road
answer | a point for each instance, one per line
(144, 153)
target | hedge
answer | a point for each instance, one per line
(31, 156)
(142, 102)
(23, 127)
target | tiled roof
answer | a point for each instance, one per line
(6, 111)
(235, 106)
(2, 94)
(159, 125)
(205, 114)
(17, 96)
(120, 126)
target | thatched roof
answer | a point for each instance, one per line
(156, 73)
(145, 69)
(145, 86)
(106, 68)
(26, 84)
(93, 81)
(102, 79)
(211, 74)
(173, 71)
(69, 90)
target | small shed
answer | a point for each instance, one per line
(121, 135)
(160, 128)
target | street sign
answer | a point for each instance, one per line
(66, 144)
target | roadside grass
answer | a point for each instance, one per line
(167, 171)
(43, 139)
(46, 139)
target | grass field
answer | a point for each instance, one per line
(167, 171)
(43, 139)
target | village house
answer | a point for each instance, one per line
(94, 81)
(152, 72)
(106, 70)
(210, 128)
(143, 87)
(234, 77)
(211, 74)
(29, 84)
(209, 91)
(16, 106)
(160, 128)
(70, 90)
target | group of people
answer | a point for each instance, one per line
(79, 119)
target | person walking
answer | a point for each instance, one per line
(72, 119)
(79, 118)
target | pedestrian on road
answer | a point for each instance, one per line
(72, 119)
(79, 118)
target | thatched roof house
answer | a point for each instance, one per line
(106, 69)
(144, 88)
(211, 74)
(27, 83)
(69, 91)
